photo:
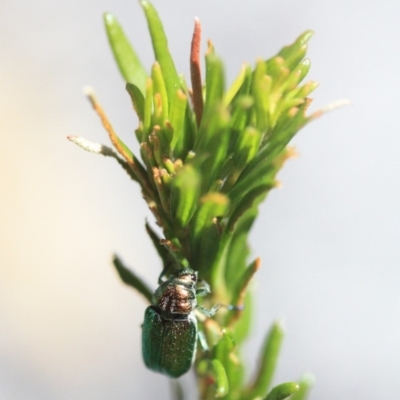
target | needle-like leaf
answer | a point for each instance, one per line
(127, 60)
(268, 362)
(131, 279)
(283, 391)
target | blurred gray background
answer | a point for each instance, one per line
(328, 239)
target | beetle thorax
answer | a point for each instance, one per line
(177, 299)
(177, 295)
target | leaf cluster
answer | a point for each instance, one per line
(208, 156)
(203, 180)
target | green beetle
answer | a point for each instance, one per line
(169, 335)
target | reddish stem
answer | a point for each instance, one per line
(195, 72)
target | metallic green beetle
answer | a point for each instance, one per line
(169, 336)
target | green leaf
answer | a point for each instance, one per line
(131, 279)
(213, 143)
(226, 352)
(241, 117)
(137, 99)
(236, 85)
(238, 250)
(161, 51)
(163, 190)
(148, 110)
(277, 86)
(306, 89)
(225, 345)
(254, 177)
(241, 108)
(241, 112)
(275, 65)
(252, 198)
(169, 261)
(260, 89)
(268, 361)
(247, 145)
(148, 158)
(242, 286)
(155, 145)
(306, 383)
(244, 89)
(220, 378)
(243, 326)
(298, 74)
(159, 139)
(185, 143)
(215, 82)
(288, 125)
(212, 205)
(127, 60)
(283, 391)
(206, 231)
(159, 87)
(185, 193)
(295, 52)
(177, 118)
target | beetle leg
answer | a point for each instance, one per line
(203, 341)
(231, 307)
(208, 313)
(203, 289)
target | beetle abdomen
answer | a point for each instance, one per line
(168, 345)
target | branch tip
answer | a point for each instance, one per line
(330, 107)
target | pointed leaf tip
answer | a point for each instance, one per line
(283, 391)
(306, 36)
(131, 279)
(127, 60)
(108, 17)
(305, 384)
(268, 360)
(221, 380)
(160, 47)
